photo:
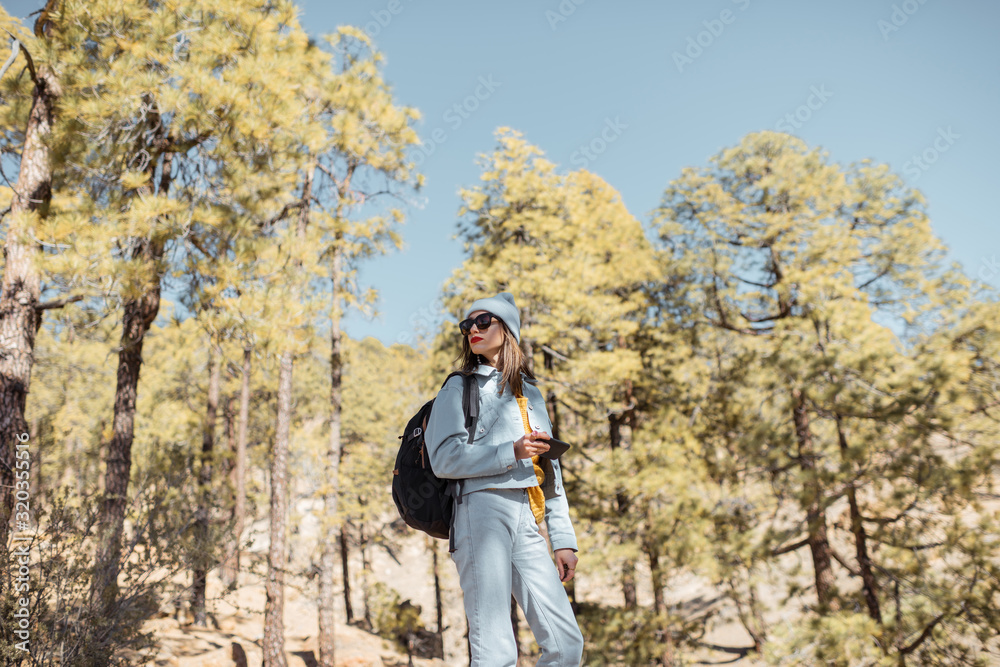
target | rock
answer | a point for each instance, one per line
(238, 655)
(358, 660)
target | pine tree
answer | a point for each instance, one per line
(205, 474)
(21, 307)
(231, 566)
(364, 159)
(793, 261)
(179, 121)
(576, 262)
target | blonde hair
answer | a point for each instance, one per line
(511, 361)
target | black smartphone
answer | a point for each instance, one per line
(556, 448)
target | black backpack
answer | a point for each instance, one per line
(424, 501)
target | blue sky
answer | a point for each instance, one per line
(887, 91)
(889, 80)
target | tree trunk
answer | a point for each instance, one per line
(227, 569)
(527, 344)
(656, 576)
(900, 629)
(138, 314)
(759, 631)
(137, 317)
(331, 490)
(819, 545)
(869, 584)
(240, 470)
(203, 549)
(274, 609)
(365, 570)
(20, 316)
(345, 571)
(622, 499)
(652, 549)
(552, 404)
(438, 606)
(628, 585)
(81, 467)
(274, 627)
(667, 658)
(241, 455)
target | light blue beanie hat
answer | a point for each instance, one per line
(502, 305)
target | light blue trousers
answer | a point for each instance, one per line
(500, 551)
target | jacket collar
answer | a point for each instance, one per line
(488, 371)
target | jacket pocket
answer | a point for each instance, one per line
(553, 480)
(537, 412)
(484, 424)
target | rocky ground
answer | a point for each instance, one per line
(235, 626)
(235, 632)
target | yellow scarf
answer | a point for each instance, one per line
(535, 494)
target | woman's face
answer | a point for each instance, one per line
(488, 341)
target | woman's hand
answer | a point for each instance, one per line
(530, 444)
(565, 563)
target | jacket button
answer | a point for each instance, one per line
(481, 430)
(530, 408)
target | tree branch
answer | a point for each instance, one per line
(923, 635)
(837, 557)
(27, 56)
(14, 47)
(58, 303)
(790, 547)
(557, 355)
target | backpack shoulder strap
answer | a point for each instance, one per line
(470, 404)
(470, 400)
(449, 377)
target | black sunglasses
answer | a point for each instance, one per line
(482, 322)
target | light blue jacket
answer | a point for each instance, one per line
(488, 461)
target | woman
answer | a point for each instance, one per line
(506, 490)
